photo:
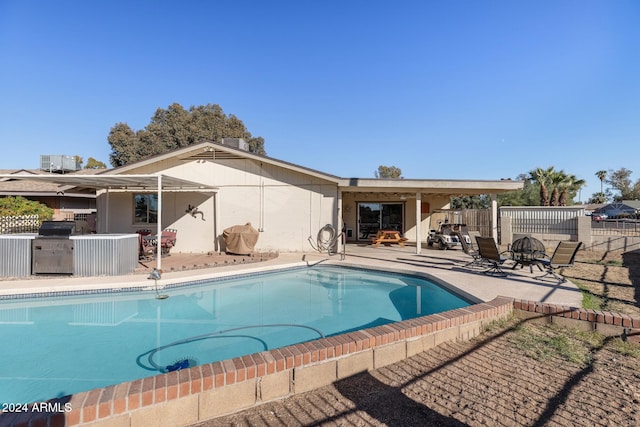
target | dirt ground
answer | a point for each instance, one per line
(517, 374)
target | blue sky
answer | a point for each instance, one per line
(440, 89)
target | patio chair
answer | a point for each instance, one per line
(146, 248)
(468, 248)
(490, 254)
(168, 240)
(563, 256)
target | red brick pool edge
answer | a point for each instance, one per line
(211, 390)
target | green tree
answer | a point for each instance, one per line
(543, 178)
(598, 198)
(527, 196)
(565, 189)
(387, 172)
(481, 201)
(569, 187)
(176, 127)
(620, 180)
(19, 206)
(556, 178)
(125, 145)
(94, 164)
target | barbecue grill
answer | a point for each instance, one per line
(52, 249)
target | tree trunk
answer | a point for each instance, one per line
(544, 195)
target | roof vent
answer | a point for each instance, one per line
(236, 143)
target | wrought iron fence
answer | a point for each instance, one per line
(616, 227)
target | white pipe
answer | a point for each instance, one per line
(216, 220)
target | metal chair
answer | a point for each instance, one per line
(489, 253)
(563, 256)
(468, 248)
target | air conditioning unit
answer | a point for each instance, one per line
(236, 143)
(59, 163)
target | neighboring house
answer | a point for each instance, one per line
(633, 203)
(208, 187)
(614, 209)
(64, 203)
(592, 207)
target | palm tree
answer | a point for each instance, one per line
(542, 178)
(571, 184)
(556, 178)
(602, 175)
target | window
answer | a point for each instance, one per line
(145, 208)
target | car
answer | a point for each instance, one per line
(598, 217)
(447, 235)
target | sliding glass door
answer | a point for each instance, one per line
(379, 216)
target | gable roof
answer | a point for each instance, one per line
(632, 203)
(617, 207)
(126, 177)
(208, 150)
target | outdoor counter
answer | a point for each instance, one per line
(93, 254)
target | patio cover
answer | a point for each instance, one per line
(151, 182)
(106, 181)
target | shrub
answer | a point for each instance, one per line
(19, 206)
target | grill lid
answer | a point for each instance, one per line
(57, 228)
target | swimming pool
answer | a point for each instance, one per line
(56, 346)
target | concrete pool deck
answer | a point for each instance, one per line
(448, 267)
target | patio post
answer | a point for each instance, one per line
(340, 224)
(159, 226)
(418, 223)
(494, 217)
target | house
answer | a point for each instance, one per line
(633, 203)
(65, 204)
(615, 209)
(202, 189)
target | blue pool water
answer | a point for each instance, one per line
(51, 347)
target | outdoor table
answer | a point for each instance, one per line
(388, 237)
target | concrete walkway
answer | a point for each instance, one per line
(446, 267)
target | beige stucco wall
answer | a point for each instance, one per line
(286, 206)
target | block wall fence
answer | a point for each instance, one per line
(204, 392)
